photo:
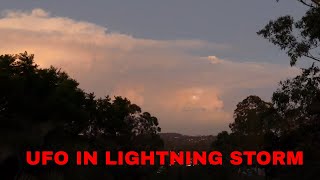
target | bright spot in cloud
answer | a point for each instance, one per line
(194, 97)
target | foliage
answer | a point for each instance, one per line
(299, 38)
(253, 116)
(43, 108)
(33, 99)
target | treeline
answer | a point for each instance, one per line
(291, 121)
(44, 109)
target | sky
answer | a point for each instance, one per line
(186, 62)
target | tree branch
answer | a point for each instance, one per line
(307, 4)
(312, 57)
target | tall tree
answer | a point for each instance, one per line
(253, 116)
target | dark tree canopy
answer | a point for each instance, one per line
(253, 116)
(290, 122)
(299, 38)
(43, 108)
(297, 99)
(33, 99)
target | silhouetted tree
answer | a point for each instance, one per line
(298, 38)
(253, 116)
(297, 103)
(34, 101)
(43, 108)
(297, 100)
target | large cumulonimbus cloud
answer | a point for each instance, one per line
(188, 93)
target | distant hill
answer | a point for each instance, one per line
(175, 141)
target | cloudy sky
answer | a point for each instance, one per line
(187, 62)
